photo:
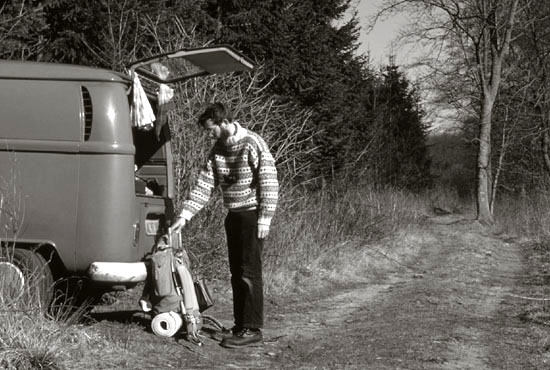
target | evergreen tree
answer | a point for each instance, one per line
(402, 157)
(21, 28)
(312, 60)
(111, 34)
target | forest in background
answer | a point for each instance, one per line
(489, 64)
(362, 120)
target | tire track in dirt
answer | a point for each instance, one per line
(442, 312)
(433, 297)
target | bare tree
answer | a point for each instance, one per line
(533, 49)
(481, 32)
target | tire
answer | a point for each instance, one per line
(25, 276)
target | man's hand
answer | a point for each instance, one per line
(178, 225)
(263, 231)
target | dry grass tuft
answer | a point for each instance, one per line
(525, 215)
(447, 199)
(31, 335)
(319, 233)
(28, 340)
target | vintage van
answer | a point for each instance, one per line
(84, 191)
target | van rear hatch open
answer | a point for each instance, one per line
(153, 152)
(188, 63)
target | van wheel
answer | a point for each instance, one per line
(25, 276)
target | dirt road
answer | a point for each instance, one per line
(442, 296)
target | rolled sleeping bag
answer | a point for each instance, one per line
(189, 294)
(166, 324)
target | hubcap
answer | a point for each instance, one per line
(12, 282)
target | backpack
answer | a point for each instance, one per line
(169, 287)
(164, 296)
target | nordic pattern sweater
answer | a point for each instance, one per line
(245, 170)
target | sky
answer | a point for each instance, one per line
(381, 43)
(381, 40)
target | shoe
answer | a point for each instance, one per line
(145, 305)
(221, 335)
(243, 338)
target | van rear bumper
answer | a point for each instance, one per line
(117, 272)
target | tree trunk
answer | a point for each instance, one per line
(484, 213)
(500, 163)
(545, 117)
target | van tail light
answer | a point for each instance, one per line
(136, 234)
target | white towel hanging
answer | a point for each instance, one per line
(142, 112)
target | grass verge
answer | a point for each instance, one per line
(319, 231)
(528, 218)
(528, 215)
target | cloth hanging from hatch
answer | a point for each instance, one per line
(142, 112)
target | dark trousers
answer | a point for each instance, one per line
(245, 263)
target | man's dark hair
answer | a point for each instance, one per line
(216, 112)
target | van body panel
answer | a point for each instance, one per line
(49, 146)
(52, 106)
(43, 202)
(106, 216)
(107, 188)
(65, 147)
(111, 123)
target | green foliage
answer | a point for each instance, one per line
(314, 65)
(296, 41)
(311, 58)
(111, 34)
(21, 26)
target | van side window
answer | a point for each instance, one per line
(88, 112)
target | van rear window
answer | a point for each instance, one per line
(149, 149)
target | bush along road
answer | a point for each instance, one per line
(448, 294)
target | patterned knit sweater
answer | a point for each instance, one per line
(245, 170)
